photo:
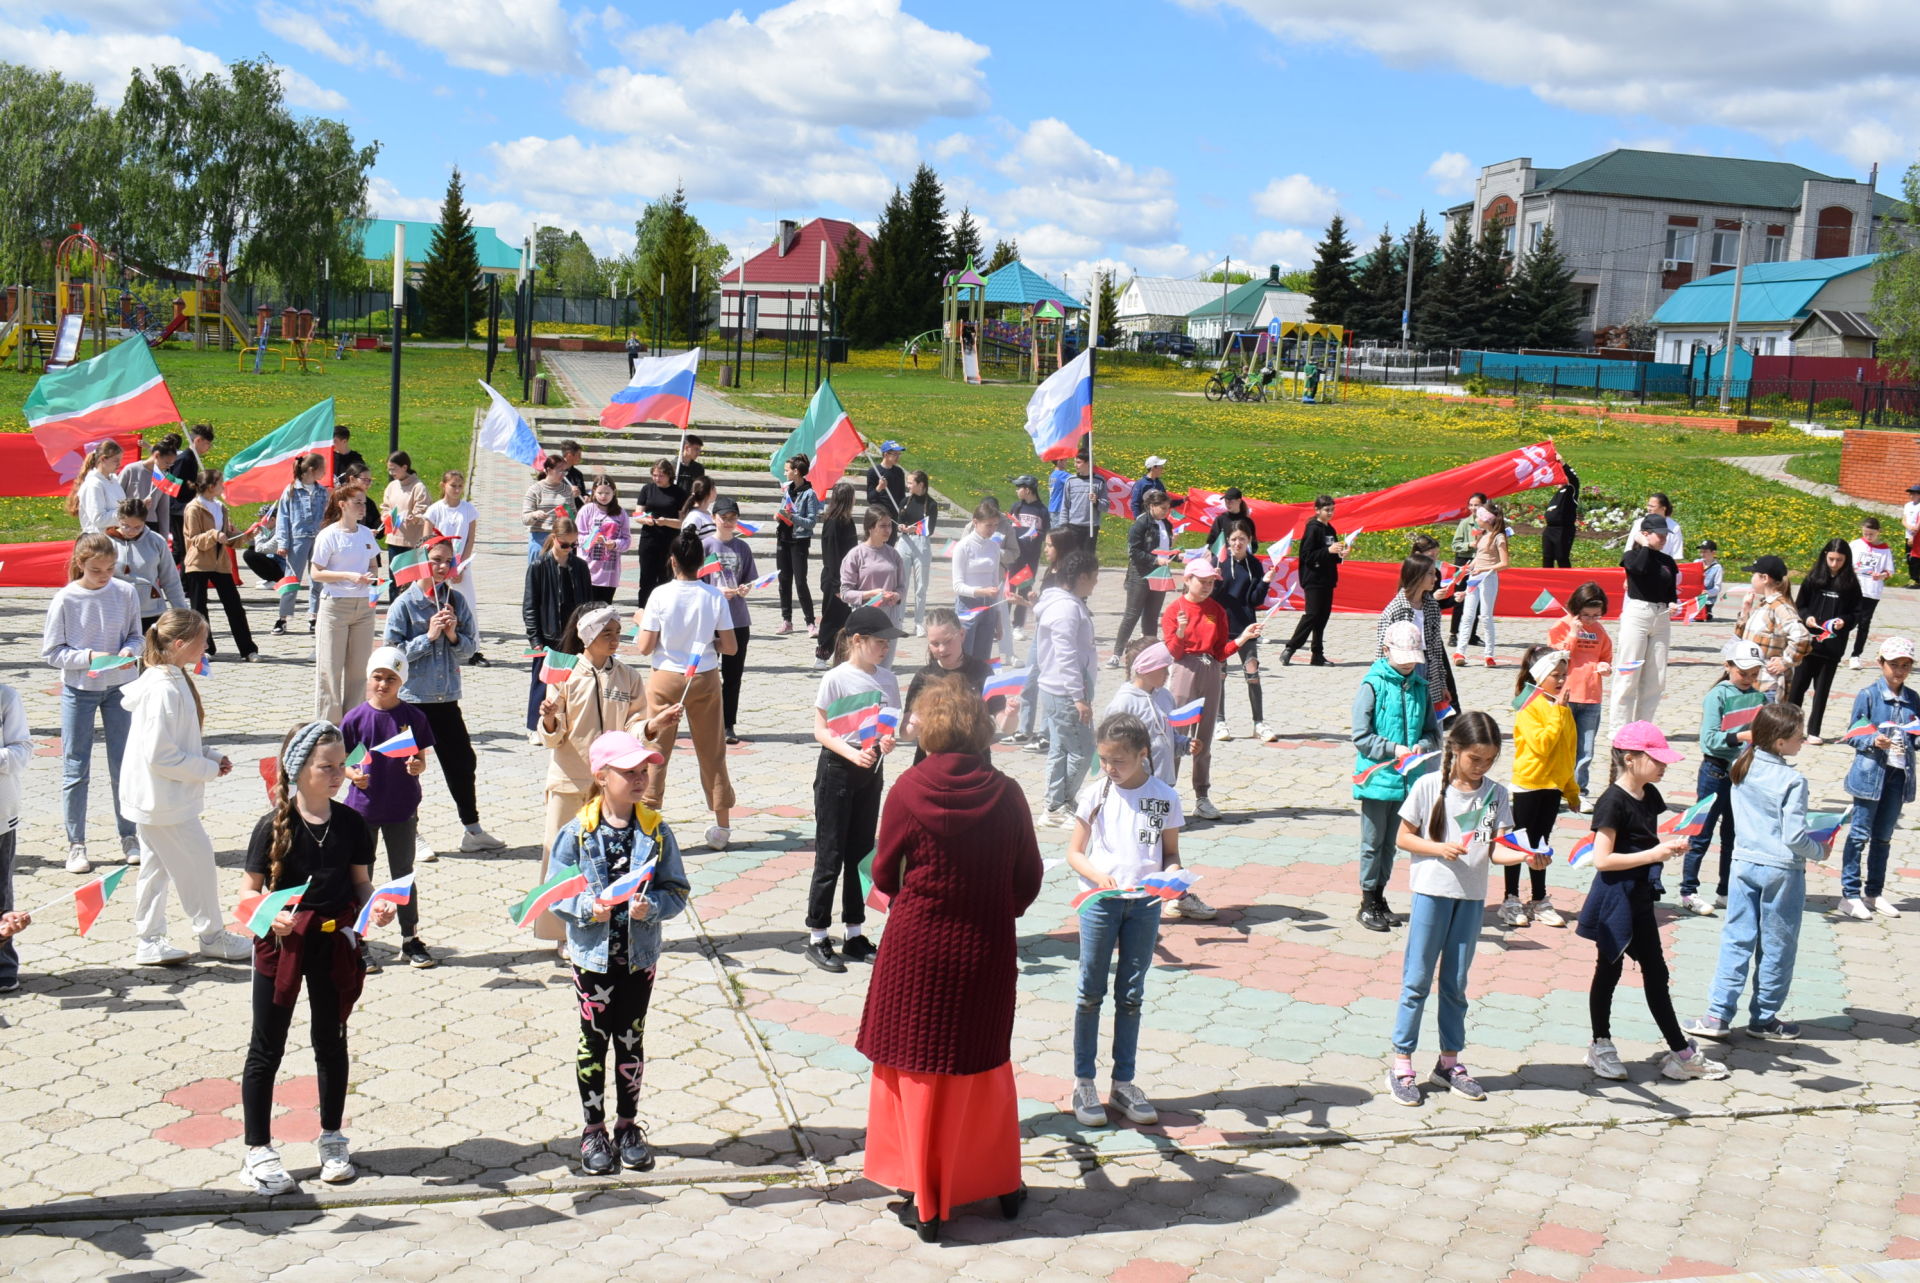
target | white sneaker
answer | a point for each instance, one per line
(1882, 906)
(477, 839)
(425, 854)
(819, 665)
(265, 1172)
(335, 1166)
(77, 861)
(1545, 914)
(919, 630)
(1087, 1109)
(1719, 901)
(1697, 1065)
(1222, 731)
(718, 837)
(1133, 1102)
(1855, 909)
(1697, 904)
(1605, 1061)
(226, 946)
(130, 849)
(158, 953)
(1512, 913)
(1205, 809)
(1190, 907)
(1019, 634)
(1266, 733)
(1854, 662)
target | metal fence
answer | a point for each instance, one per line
(1834, 402)
(365, 310)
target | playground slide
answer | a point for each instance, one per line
(970, 364)
(9, 335)
(176, 323)
(66, 344)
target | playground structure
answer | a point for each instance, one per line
(210, 315)
(963, 300)
(1028, 338)
(48, 326)
(296, 331)
(1304, 355)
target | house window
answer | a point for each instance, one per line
(1775, 250)
(1680, 244)
(1533, 235)
(1726, 250)
(1507, 236)
(1766, 346)
(1588, 293)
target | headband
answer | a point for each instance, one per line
(594, 621)
(300, 748)
(1543, 667)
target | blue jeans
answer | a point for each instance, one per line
(296, 555)
(916, 551)
(980, 632)
(1872, 828)
(1069, 750)
(77, 708)
(1711, 782)
(535, 542)
(1030, 694)
(1440, 931)
(1134, 926)
(1762, 931)
(1586, 725)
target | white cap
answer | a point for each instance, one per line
(1155, 461)
(390, 658)
(1743, 654)
(1896, 648)
(1403, 643)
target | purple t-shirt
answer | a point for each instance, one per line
(391, 795)
(736, 561)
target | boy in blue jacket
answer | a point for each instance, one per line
(1880, 781)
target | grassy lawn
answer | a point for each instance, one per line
(438, 397)
(1823, 467)
(970, 440)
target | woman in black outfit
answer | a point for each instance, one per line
(656, 512)
(1320, 554)
(837, 537)
(556, 584)
(1829, 591)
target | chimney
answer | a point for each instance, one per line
(1273, 273)
(789, 232)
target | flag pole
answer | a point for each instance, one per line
(1092, 512)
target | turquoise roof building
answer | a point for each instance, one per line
(376, 242)
(1775, 300)
(1016, 283)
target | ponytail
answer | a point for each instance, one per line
(1772, 724)
(173, 626)
(85, 549)
(96, 458)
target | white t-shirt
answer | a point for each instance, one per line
(217, 509)
(1910, 517)
(686, 613)
(1866, 560)
(847, 691)
(348, 551)
(697, 521)
(1125, 828)
(1676, 545)
(455, 522)
(1466, 877)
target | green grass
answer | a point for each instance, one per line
(438, 397)
(1823, 467)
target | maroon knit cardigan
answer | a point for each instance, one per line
(941, 999)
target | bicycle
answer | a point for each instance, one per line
(1216, 390)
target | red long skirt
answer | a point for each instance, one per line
(952, 1139)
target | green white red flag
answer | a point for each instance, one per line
(121, 390)
(565, 883)
(92, 897)
(261, 471)
(256, 912)
(826, 436)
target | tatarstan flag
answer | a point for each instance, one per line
(256, 912)
(118, 391)
(847, 714)
(92, 897)
(410, 565)
(826, 436)
(261, 471)
(567, 881)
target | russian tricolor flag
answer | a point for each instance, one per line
(1006, 683)
(661, 391)
(1189, 714)
(401, 745)
(1061, 411)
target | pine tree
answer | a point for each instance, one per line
(1446, 316)
(450, 293)
(848, 284)
(871, 315)
(1333, 292)
(1378, 290)
(1422, 250)
(1543, 300)
(1109, 310)
(1004, 252)
(965, 241)
(1495, 326)
(925, 255)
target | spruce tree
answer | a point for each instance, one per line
(872, 315)
(1494, 323)
(965, 242)
(924, 258)
(450, 293)
(1422, 251)
(1446, 316)
(1004, 252)
(1543, 300)
(1333, 292)
(1377, 293)
(1109, 309)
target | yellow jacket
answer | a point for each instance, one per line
(1546, 746)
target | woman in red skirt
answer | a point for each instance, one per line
(958, 856)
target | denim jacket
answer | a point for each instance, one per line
(580, 844)
(1770, 815)
(299, 514)
(433, 667)
(1877, 704)
(803, 507)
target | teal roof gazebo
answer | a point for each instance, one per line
(1016, 284)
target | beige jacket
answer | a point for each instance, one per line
(593, 701)
(1774, 626)
(409, 501)
(207, 547)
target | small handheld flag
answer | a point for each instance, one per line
(410, 565)
(623, 889)
(270, 774)
(202, 668)
(1407, 763)
(556, 668)
(711, 566)
(1515, 842)
(972, 613)
(924, 526)
(1019, 577)
(765, 581)
(1544, 603)
(398, 891)
(401, 745)
(1864, 731)
(1188, 714)
(1086, 898)
(1829, 628)
(1005, 683)
(1170, 885)
(1526, 697)
(1690, 821)
(358, 757)
(746, 527)
(1740, 717)
(1626, 666)
(889, 721)
(1824, 826)
(868, 732)
(692, 669)
(1442, 711)
(167, 484)
(288, 587)
(255, 913)
(1580, 853)
(107, 663)
(566, 882)
(846, 715)
(877, 900)
(90, 898)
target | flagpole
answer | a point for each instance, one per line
(1092, 529)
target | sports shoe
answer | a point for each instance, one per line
(630, 1139)
(130, 849)
(480, 661)
(478, 839)
(1036, 744)
(820, 953)
(1459, 659)
(1133, 1102)
(1545, 914)
(1374, 914)
(1720, 901)
(596, 1152)
(1222, 731)
(264, 1171)
(859, 949)
(1019, 634)
(77, 861)
(279, 628)
(1512, 913)
(1854, 662)
(1203, 808)
(1775, 1028)
(1190, 907)
(425, 854)
(226, 946)
(1708, 1027)
(1605, 1061)
(335, 1166)
(1059, 819)
(1697, 904)
(730, 737)
(919, 630)
(813, 628)
(1458, 1080)
(819, 665)
(1087, 1109)
(1113, 661)
(157, 953)
(1697, 1065)
(1404, 1088)
(785, 629)
(370, 965)
(1815, 741)
(1492, 662)
(1265, 732)
(1847, 908)
(1882, 906)
(718, 837)
(1017, 737)
(415, 954)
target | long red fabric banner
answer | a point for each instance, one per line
(25, 473)
(1367, 586)
(1441, 496)
(35, 565)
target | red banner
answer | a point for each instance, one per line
(35, 565)
(1119, 492)
(1442, 496)
(1367, 586)
(25, 473)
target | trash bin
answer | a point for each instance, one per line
(539, 389)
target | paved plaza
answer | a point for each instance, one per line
(1264, 1043)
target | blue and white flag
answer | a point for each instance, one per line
(503, 431)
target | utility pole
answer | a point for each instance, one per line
(1733, 320)
(1406, 308)
(1226, 279)
(399, 328)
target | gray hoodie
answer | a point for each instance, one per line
(147, 564)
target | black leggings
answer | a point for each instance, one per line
(197, 582)
(833, 613)
(1860, 626)
(1312, 628)
(790, 559)
(1815, 672)
(654, 568)
(1534, 812)
(454, 748)
(846, 815)
(269, 1044)
(1643, 948)
(1250, 669)
(613, 1013)
(1143, 608)
(732, 668)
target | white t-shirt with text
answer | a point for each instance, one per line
(1466, 877)
(1126, 826)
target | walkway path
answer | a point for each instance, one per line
(1773, 467)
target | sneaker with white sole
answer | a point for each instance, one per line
(1697, 1064)
(1060, 819)
(1882, 906)
(1222, 731)
(1203, 808)
(1848, 908)
(1037, 744)
(1019, 634)
(1854, 662)
(264, 1171)
(1697, 904)
(820, 664)
(1708, 1027)
(425, 854)
(1604, 1060)
(1775, 1028)
(1404, 1088)
(1087, 1109)
(130, 849)
(478, 839)
(77, 861)
(158, 953)
(1512, 913)
(1720, 901)
(1458, 1081)
(785, 629)
(1133, 1102)
(1266, 733)
(1190, 907)
(226, 946)
(1545, 914)
(335, 1165)
(717, 837)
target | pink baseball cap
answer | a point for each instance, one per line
(1645, 737)
(1201, 568)
(620, 749)
(1153, 659)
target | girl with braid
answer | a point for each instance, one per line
(309, 841)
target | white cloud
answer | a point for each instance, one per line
(1288, 247)
(1452, 174)
(100, 15)
(954, 145)
(1296, 199)
(1064, 180)
(104, 60)
(1844, 74)
(1167, 260)
(512, 220)
(303, 91)
(494, 36)
(316, 34)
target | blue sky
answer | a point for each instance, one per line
(1155, 136)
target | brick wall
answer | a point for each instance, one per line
(1879, 465)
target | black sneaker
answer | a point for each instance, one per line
(368, 963)
(1374, 914)
(279, 628)
(479, 661)
(859, 949)
(820, 954)
(596, 1152)
(631, 1141)
(415, 954)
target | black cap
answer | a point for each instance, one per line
(1771, 567)
(1706, 545)
(870, 621)
(1654, 524)
(1914, 488)
(1028, 480)
(1231, 492)
(725, 508)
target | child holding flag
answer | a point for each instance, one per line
(734, 579)
(977, 583)
(208, 531)
(1589, 650)
(141, 558)
(1880, 781)
(1627, 852)
(163, 790)
(799, 510)
(456, 519)
(872, 574)
(385, 779)
(607, 532)
(633, 880)
(1735, 692)
(847, 781)
(297, 519)
(1392, 717)
(309, 871)
(1769, 887)
(1241, 591)
(1144, 695)
(919, 517)
(1447, 826)
(1063, 660)
(686, 628)
(1195, 630)
(1545, 746)
(1126, 827)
